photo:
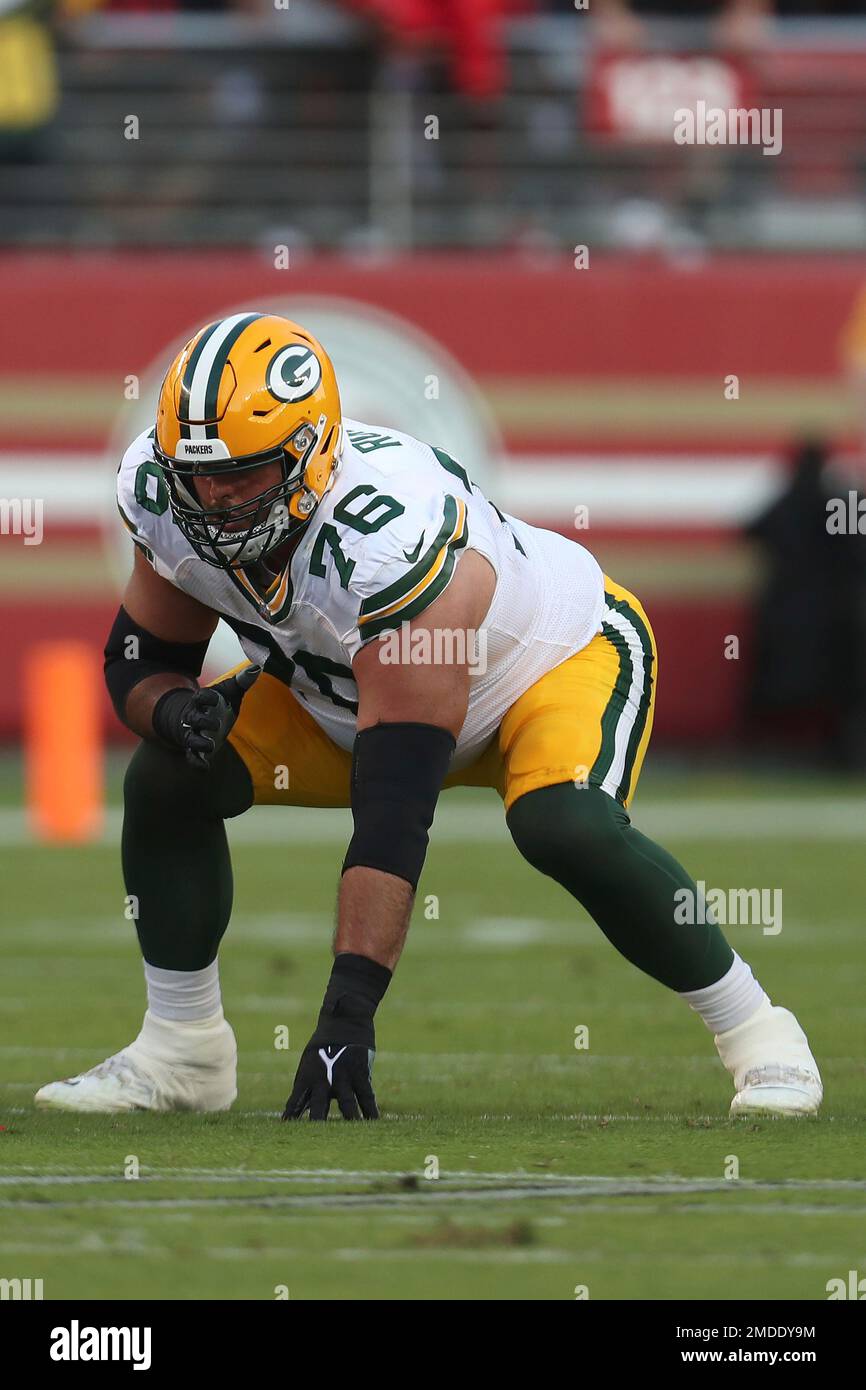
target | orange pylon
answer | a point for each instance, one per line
(63, 738)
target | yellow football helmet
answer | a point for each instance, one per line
(248, 390)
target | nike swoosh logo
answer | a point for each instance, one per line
(412, 555)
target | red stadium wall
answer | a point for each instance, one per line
(588, 372)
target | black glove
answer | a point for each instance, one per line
(337, 1063)
(197, 721)
(343, 1074)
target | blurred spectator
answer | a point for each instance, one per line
(150, 6)
(29, 79)
(29, 89)
(808, 681)
(738, 24)
(469, 31)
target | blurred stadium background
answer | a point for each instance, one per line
(445, 162)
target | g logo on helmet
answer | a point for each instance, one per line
(294, 373)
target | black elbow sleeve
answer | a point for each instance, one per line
(397, 774)
(132, 654)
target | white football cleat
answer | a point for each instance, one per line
(169, 1066)
(773, 1069)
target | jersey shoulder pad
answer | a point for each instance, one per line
(404, 549)
(142, 501)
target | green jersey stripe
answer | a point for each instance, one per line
(615, 705)
(413, 577)
(646, 696)
(411, 610)
(627, 711)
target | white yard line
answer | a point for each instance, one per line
(313, 930)
(743, 818)
(568, 1184)
(431, 1195)
(493, 1254)
(721, 1118)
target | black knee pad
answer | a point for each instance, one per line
(565, 828)
(160, 782)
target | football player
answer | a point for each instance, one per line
(319, 539)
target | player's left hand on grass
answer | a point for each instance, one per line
(333, 1072)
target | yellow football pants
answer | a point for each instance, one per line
(587, 721)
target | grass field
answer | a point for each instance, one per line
(605, 1167)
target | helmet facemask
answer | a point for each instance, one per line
(259, 523)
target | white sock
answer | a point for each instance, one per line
(730, 1001)
(183, 996)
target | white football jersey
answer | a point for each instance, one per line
(382, 544)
